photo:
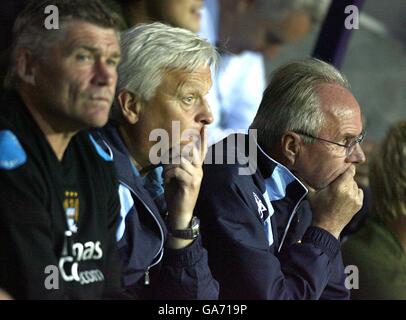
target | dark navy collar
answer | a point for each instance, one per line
(110, 140)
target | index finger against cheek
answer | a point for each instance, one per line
(197, 157)
(203, 145)
(190, 152)
(198, 150)
(349, 173)
(361, 194)
(352, 170)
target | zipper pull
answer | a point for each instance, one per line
(146, 281)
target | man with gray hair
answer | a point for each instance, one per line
(163, 80)
(58, 199)
(275, 234)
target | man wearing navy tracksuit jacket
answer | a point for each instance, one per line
(272, 229)
(152, 271)
(164, 77)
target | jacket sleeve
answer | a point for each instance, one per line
(185, 275)
(25, 237)
(335, 289)
(241, 259)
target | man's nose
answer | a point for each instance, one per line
(104, 75)
(358, 155)
(205, 115)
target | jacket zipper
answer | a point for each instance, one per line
(160, 251)
(146, 280)
(297, 204)
(290, 221)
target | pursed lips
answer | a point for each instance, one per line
(99, 104)
(98, 99)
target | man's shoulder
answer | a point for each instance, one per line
(94, 158)
(9, 108)
(12, 153)
(232, 159)
(15, 117)
(13, 144)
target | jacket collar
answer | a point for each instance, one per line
(279, 178)
(285, 192)
(110, 140)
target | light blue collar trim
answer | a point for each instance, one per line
(153, 182)
(103, 154)
(281, 176)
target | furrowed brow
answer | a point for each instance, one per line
(95, 51)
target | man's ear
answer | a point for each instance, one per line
(25, 66)
(130, 106)
(291, 143)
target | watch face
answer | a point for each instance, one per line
(190, 233)
(195, 226)
(195, 222)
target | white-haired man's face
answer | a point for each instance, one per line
(178, 111)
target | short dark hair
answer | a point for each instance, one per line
(92, 11)
(30, 32)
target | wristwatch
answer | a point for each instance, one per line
(191, 232)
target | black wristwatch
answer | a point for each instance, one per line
(190, 233)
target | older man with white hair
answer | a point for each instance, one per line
(163, 80)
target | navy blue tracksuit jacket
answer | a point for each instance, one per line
(256, 229)
(152, 271)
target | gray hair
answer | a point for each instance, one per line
(291, 101)
(30, 33)
(149, 49)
